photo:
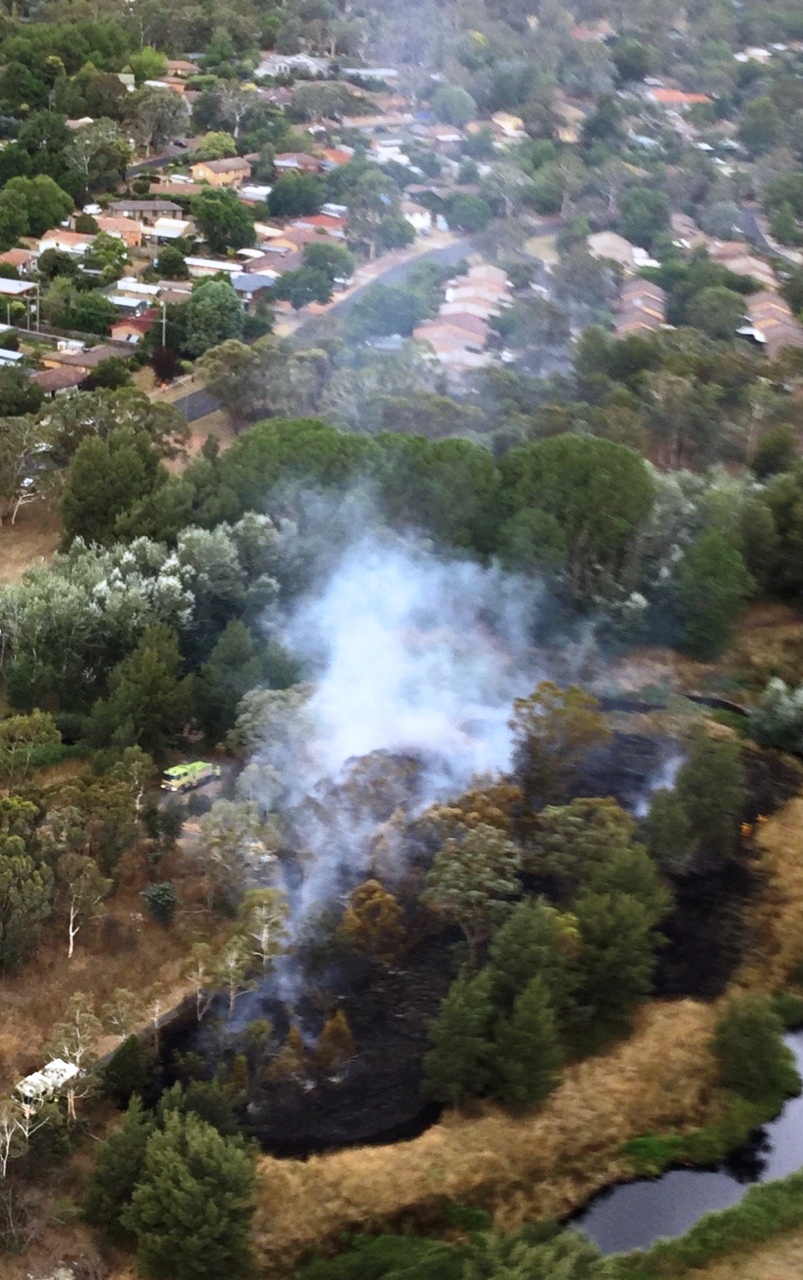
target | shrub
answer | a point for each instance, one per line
(161, 900)
(754, 1062)
(778, 720)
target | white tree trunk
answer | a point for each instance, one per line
(73, 928)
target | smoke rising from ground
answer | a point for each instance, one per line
(417, 654)
(414, 660)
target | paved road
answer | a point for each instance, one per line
(750, 227)
(447, 255)
(196, 405)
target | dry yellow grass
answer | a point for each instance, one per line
(777, 918)
(536, 1166)
(125, 949)
(34, 537)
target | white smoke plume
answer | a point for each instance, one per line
(414, 660)
(419, 654)
(412, 654)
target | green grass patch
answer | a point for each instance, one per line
(651, 1153)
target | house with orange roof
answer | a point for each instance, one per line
(677, 98)
(642, 308)
(772, 323)
(336, 157)
(73, 242)
(126, 229)
(325, 223)
(179, 68)
(133, 328)
(24, 260)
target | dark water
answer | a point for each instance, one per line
(636, 1214)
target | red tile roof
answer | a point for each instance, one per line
(677, 98)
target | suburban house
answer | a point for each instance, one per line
(608, 244)
(298, 161)
(370, 73)
(179, 186)
(420, 218)
(737, 257)
(200, 267)
(55, 382)
(23, 260)
(481, 291)
(248, 284)
(772, 323)
(468, 329)
(284, 64)
(75, 243)
(685, 232)
(180, 69)
(642, 308)
(322, 224)
(459, 333)
(509, 126)
(82, 362)
(133, 328)
(145, 211)
(222, 173)
(166, 229)
(126, 229)
(335, 157)
(254, 193)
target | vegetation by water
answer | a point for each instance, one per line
(766, 1211)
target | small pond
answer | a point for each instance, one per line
(636, 1214)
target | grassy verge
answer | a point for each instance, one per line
(650, 1154)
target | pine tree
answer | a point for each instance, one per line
(617, 957)
(335, 1044)
(527, 1050)
(458, 1066)
(192, 1210)
(667, 832)
(118, 1170)
(711, 789)
(535, 940)
(290, 1063)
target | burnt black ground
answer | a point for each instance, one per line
(378, 1099)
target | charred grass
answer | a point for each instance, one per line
(546, 1165)
(541, 1166)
